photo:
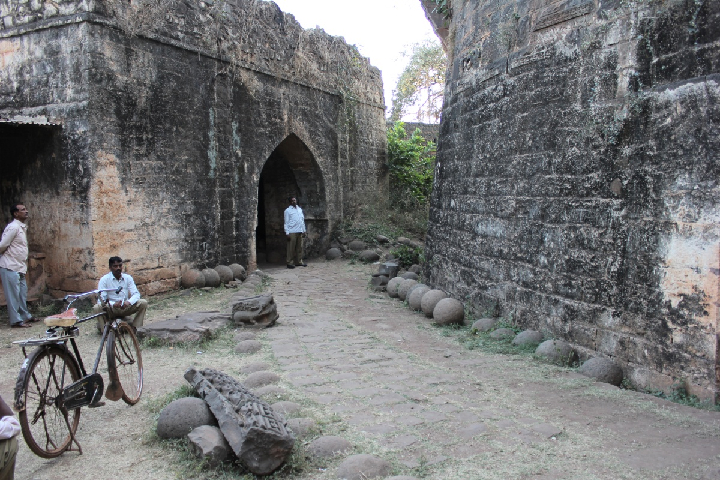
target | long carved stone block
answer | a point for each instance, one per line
(256, 433)
(254, 312)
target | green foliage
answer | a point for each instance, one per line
(679, 394)
(367, 231)
(411, 162)
(442, 7)
(156, 405)
(407, 255)
(421, 84)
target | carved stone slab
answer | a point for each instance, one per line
(256, 433)
(254, 312)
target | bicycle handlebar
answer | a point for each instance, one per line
(78, 296)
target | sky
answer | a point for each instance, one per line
(381, 29)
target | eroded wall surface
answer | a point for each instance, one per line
(168, 112)
(577, 177)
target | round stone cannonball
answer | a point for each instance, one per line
(405, 287)
(181, 416)
(328, 446)
(410, 276)
(416, 295)
(484, 324)
(260, 379)
(192, 279)
(602, 370)
(430, 300)
(286, 407)
(301, 427)
(248, 347)
(333, 253)
(502, 333)
(368, 256)
(212, 279)
(392, 286)
(238, 271)
(225, 273)
(558, 352)
(449, 311)
(528, 337)
(363, 467)
(357, 245)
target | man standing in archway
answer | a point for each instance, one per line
(295, 232)
(13, 267)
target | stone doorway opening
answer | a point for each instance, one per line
(290, 170)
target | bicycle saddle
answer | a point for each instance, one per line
(65, 319)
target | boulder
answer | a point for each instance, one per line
(410, 276)
(368, 256)
(238, 271)
(389, 269)
(212, 279)
(484, 324)
(558, 352)
(405, 241)
(404, 287)
(382, 239)
(254, 312)
(392, 286)
(260, 379)
(192, 279)
(333, 254)
(502, 333)
(248, 347)
(528, 337)
(602, 370)
(430, 300)
(416, 295)
(415, 269)
(363, 467)
(286, 408)
(182, 416)
(301, 427)
(254, 367)
(328, 447)
(189, 327)
(225, 274)
(449, 311)
(357, 245)
(208, 443)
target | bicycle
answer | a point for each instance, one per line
(53, 384)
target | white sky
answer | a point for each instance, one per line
(381, 29)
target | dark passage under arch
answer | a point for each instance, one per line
(290, 170)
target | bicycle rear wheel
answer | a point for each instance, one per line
(48, 428)
(125, 361)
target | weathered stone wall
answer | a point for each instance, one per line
(577, 177)
(167, 113)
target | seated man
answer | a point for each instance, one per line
(127, 302)
(9, 428)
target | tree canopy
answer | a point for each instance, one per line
(419, 91)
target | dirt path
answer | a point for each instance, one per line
(368, 369)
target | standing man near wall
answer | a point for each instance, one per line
(13, 267)
(295, 232)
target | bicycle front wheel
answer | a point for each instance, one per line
(47, 427)
(125, 361)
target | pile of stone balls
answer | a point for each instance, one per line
(435, 304)
(213, 277)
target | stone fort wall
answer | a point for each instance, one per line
(577, 177)
(142, 129)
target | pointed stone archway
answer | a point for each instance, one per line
(290, 170)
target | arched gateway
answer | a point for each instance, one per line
(291, 169)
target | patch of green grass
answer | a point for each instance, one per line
(679, 394)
